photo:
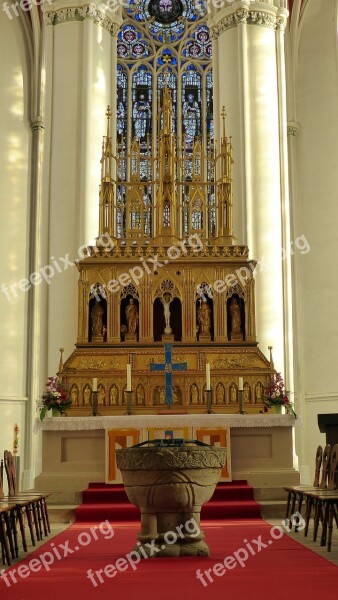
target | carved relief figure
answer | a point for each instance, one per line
(235, 314)
(101, 395)
(204, 317)
(74, 395)
(259, 392)
(113, 396)
(132, 316)
(87, 392)
(233, 393)
(220, 393)
(246, 392)
(140, 395)
(96, 316)
(194, 394)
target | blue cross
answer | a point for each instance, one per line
(168, 367)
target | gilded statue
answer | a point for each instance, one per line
(97, 319)
(194, 394)
(140, 395)
(74, 395)
(101, 395)
(132, 316)
(235, 314)
(87, 393)
(220, 392)
(113, 397)
(204, 317)
(246, 390)
(259, 392)
(233, 393)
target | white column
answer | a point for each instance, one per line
(250, 79)
(79, 70)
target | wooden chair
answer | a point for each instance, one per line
(19, 508)
(325, 503)
(298, 492)
(6, 533)
(36, 499)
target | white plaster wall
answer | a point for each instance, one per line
(316, 287)
(78, 92)
(14, 243)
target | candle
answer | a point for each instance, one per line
(95, 384)
(207, 369)
(128, 378)
(240, 384)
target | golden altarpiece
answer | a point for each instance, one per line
(166, 268)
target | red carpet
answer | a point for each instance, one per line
(230, 501)
(281, 570)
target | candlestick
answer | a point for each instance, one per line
(129, 402)
(95, 384)
(209, 401)
(128, 389)
(241, 401)
(240, 384)
(94, 403)
(207, 370)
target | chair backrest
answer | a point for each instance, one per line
(10, 473)
(318, 464)
(2, 479)
(332, 479)
(325, 467)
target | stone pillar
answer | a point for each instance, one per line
(250, 78)
(80, 61)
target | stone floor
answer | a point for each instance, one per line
(299, 537)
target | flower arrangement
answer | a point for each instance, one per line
(55, 398)
(276, 395)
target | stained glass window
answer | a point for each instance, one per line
(162, 42)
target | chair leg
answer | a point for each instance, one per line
(36, 521)
(330, 525)
(288, 506)
(22, 528)
(7, 519)
(6, 556)
(309, 503)
(15, 533)
(29, 511)
(46, 517)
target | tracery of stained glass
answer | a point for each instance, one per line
(162, 42)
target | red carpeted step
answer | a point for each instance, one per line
(113, 512)
(233, 500)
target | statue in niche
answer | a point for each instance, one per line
(233, 393)
(74, 396)
(113, 396)
(96, 316)
(204, 318)
(220, 393)
(162, 396)
(194, 394)
(235, 314)
(101, 395)
(132, 316)
(166, 301)
(259, 392)
(140, 395)
(87, 393)
(246, 393)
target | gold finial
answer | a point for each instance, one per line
(223, 115)
(271, 359)
(108, 115)
(16, 439)
(61, 361)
